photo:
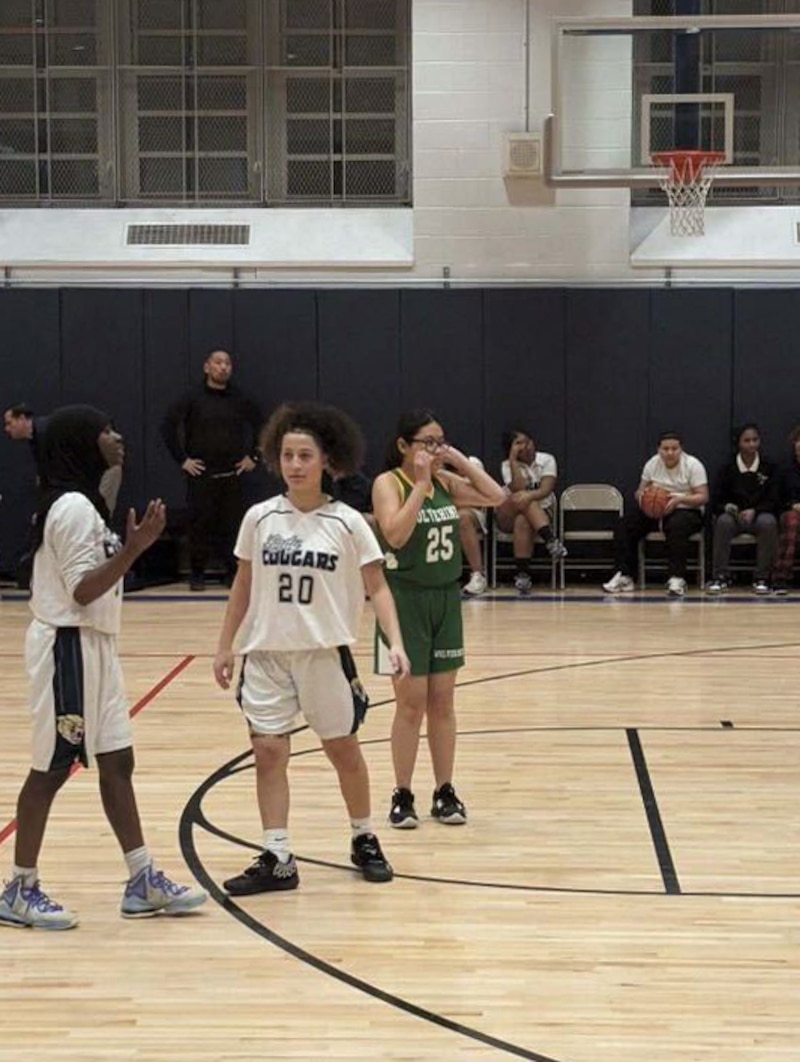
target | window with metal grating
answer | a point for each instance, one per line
(188, 235)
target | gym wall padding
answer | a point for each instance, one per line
(594, 373)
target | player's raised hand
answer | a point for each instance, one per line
(423, 467)
(140, 536)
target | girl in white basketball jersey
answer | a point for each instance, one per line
(294, 610)
(78, 704)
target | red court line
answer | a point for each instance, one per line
(11, 827)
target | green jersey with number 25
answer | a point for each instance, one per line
(432, 556)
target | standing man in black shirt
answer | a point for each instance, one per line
(212, 432)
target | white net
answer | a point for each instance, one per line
(687, 181)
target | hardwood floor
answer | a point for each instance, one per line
(627, 888)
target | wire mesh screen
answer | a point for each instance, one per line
(205, 101)
(55, 119)
(759, 68)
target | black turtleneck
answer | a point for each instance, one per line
(218, 426)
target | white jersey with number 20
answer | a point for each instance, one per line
(307, 590)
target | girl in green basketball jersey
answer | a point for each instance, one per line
(416, 507)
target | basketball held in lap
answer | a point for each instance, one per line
(653, 501)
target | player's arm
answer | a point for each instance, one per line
(235, 611)
(385, 612)
(397, 518)
(139, 537)
(471, 485)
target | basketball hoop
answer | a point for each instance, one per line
(687, 182)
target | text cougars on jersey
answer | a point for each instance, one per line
(289, 553)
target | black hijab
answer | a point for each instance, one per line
(72, 461)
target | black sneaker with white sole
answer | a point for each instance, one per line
(403, 814)
(265, 874)
(366, 854)
(447, 807)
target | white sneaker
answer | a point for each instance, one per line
(476, 585)
(151, 892)
(676, 587)
(24, 905)
(619, 584)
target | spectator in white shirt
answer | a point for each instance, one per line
(684, 478)
(530, 481)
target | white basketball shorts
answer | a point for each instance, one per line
(78, 702)
(278, 690)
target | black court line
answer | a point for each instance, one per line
(192, 815)
(657, 832)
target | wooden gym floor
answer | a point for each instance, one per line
(627, 888)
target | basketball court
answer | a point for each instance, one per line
(627, 884)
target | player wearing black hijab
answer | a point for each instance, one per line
(78, 703)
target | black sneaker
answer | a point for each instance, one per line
(197, 584)
(403, 815)
(366, 854)
(447, 807)
(265, 874)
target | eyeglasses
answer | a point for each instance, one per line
(430, 444)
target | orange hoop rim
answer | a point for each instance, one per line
(687, 162)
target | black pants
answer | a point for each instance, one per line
(678, 528)
(216, 508)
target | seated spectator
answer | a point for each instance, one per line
(745, 499)
(530, 480)
(685, 479)
(472, 531)
(789, 509)
(354, 490)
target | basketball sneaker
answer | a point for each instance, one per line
(28, 906)
(780, 588)
(556, 548)
(476, 585)
(676, 587)
(366, 854)
(619, 584)
(265, 874)
(718, 585)
(403, 814)
(151, 892)
(523, 583)
(447, 807)
(760, 587)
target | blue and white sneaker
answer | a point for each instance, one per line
(151, 892)
(27, 906)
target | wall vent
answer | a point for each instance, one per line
(188, 235)
(523, 155)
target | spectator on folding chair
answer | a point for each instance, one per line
(684, 479)
(473, 529)
(745, 500)
(529, 477)
(789, 509)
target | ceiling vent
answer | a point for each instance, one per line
(188, 235)
(523, 155)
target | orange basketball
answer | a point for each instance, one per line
(653, 501)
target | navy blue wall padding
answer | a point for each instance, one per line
(210, 326)
(101, 363)
(166, 377)
(766, 365)
(595, 373)
(691, 380)
(30, 368)
(275, 358)
(359, 361)
(524, 370)
(441, 366)
(607, 353)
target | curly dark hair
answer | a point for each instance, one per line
(337, 434)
